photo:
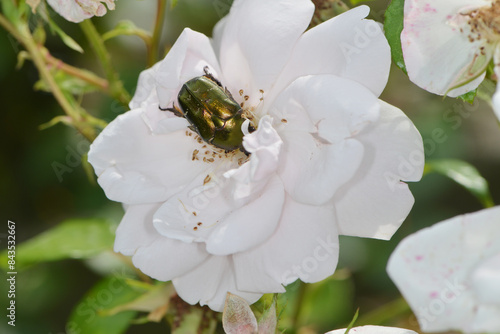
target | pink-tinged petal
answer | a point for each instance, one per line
(70, 10)
(79, 10)
(305, 246)
(164, 259)
(250, 225)
(135, 167)
(186, 60)
(347, 46)
(95, 7)
(434, 49)
(373, 330)
(432, 268)
(257, 39)
(209, 284)
(136, 229)
(320, 151)
(238, 317)
(375, 202)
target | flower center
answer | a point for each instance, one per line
(211, 154)
(484, 23)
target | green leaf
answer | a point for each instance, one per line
(70, 42)
(393, 26)
(469, 96)
(173, 4)
(157, 296)
(486, 90)
(39, 34)
(75, 239)
(465, 175)
(195, 320)
(10, 11)
(89, 314)
(126, 28)
(69, 84)
(21, 58)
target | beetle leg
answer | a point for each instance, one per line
(210, 76)
(177, 112)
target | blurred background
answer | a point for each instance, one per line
(37, 195)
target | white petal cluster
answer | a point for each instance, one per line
(327, 157)
(450, 273)
(448, 44)
(79, 10)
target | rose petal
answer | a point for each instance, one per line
(318, 160)
(312, 172)
(164, 259)
(217, 33)
(357, 49)
(137, 167)
(252, 57)
(206, 213)
(435, 51)
(335, 107)
(432, 269)
(375, 202)
(487, 319)
(186, 60)
(136, 229)
(145, 92)
(251, 224)
(162, 122)
(70, 10)
(485, 281)
(209, 284)
(304, 246)
(193, 214)
(247, 181)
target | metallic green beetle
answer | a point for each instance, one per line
(211, 111)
